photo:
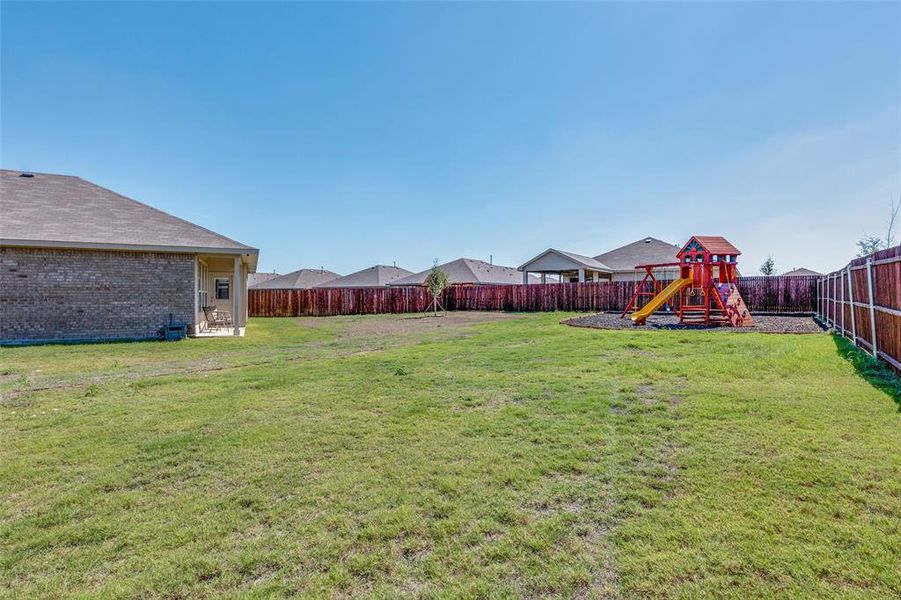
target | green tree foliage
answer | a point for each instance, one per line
(435, 282)
(768, 267)
(869, 245)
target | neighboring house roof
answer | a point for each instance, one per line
(800, 272)
(46, 210)
(297, 280)
(646, 251)
(714, 244)
(468, 271)
(255, 278)
(577, 260)
(375, 276)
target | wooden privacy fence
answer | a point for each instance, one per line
(762, 294)
(778, 294)
(862, 302)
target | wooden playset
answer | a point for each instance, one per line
(706, 288)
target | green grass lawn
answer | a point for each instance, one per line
(469, 456)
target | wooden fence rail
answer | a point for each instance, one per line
(762, 294)
(862, 302)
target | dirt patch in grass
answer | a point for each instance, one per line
(390, 325)
(762, 324)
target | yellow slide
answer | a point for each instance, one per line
(659, 300)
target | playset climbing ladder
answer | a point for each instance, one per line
(706, 288)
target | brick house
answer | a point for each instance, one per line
(79, 262)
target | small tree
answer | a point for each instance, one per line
(890, 235)
(869, 245)
(436, 281)
(768, 267)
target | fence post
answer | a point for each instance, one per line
(851, 298)
(834, 295)
(841, 277)
(871, 293)
(825, 285)
(819, 298)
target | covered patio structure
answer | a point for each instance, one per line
(220, 293)
(565, 267)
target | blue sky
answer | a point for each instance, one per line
(346, 135)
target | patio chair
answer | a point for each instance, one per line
(217, 319)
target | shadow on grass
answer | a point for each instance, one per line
(876, 372)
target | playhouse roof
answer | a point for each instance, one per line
(714, 244)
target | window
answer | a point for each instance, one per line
(222, 288)
(202, 295)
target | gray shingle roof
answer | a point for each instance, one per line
(62, 210)
(800, 272)
(375, 276)
(468, 271)
(577, 259)
(645, 251)
(255, 278)
(297, 280)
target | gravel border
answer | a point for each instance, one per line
(762, 324)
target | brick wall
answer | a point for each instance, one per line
(48, 294)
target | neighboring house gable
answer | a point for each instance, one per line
(300, 279)
(567, 266)
(802, 272)
(646, 251)
(374, 276)
(255, 278)
(467, 271)
(559, 260)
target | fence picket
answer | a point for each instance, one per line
(870, 292)
(851, 300)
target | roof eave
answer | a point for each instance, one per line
(528, 262)
(251, 254)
